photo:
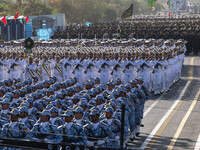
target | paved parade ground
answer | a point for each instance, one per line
(172, 120)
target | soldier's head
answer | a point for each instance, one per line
(16, 94)
(140, 81)
(35, 79)
(45, 116)
(54, 112)
(2, 92)
(128, 87)
(122, 91)
(115, 93)
(78, 88)
(110, 86)
(14, 55)
(97, 80)
(129, 55)
(104, 55)
(75, 99)
(78, 54)
(68, 115)
(5, 104)
(14, 115)
(94, 115)
(109, 112)
(23, 112)
(78, 113)
(100, 100)
(118, 81)
(91, 55)
(116, 56)
(88, 85)
(133, 83)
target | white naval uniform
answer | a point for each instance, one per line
(23, 65)
(67, 70)
(1, 70)
(89, 71)
(30, 71)
(130, 73)
(79, 74)
(104, 74)
(46, 70)
(14, 72)
(6, 67)
(57, 71)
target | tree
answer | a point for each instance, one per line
(110, 14)
(36, 8)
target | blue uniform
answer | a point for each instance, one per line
(48, 132)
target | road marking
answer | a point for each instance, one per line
(197, 146)
(169, 114)
(182, 124)
(148, 139)
(191, 78)
(191, 69)
(150, 108)
(167, 117)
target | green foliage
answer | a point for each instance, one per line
(77, 11)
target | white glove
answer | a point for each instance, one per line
(117, 137)
(89, 143)
(100, 142)
(36, 139)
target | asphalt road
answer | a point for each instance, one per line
(172, 120)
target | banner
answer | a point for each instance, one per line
(178, 4)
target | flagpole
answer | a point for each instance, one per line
(132, 12)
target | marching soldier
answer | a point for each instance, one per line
(30, 69)
(44, 131)
(57, 70)
(45, 68)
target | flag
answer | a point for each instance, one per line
(26, 19)
(128, 12)
(4, 20)
(168, 3)
(16, 16)
(169, 13)
(8, 16)
(151, 3)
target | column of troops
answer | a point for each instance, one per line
(73, 92)
(176, 27)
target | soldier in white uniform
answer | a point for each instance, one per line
(45, 67)
(57, 70)
(30, 69)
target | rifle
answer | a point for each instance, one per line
(66, 64)
(128, 65)
(116, 66)
(13, 66)
(77, 66)
(82, 59)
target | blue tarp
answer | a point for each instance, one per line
(45, 34)
(29, 31)
(88, 23)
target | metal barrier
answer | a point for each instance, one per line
(29, 144)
